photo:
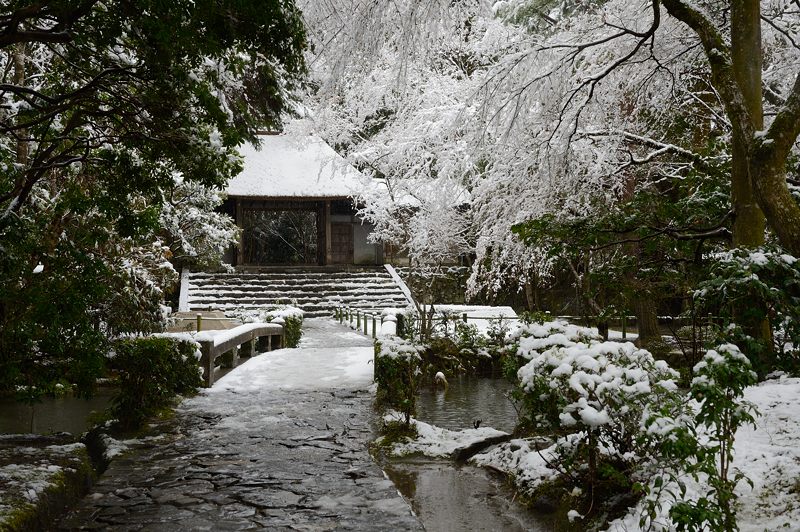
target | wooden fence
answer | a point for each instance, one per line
(359, 319)
(245, 340)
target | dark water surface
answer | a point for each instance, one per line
(452, 497)
(449, 497)
(60, 414)
(467, 399)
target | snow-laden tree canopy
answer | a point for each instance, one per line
(526, 108)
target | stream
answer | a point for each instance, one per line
(51, 414)
(453, 497)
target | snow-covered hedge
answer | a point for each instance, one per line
(535, 338)
(600, 398)
(290, 317)
(397, 372)
(152, 370)
(601, 386)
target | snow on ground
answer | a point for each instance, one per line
(26, 473)
(331, 358)
(520, 459)
(769, 454)
(437, 442)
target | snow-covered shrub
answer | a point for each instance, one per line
(152, 371)
(397, 373)
(535, 338)
(407, 323)
(747, 288)
(532, 338)
(66, 295)
(291, 318)
(718, 387)
(596, 395)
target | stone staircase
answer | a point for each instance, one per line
(314, 291)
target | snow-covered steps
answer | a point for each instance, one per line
(315, 291)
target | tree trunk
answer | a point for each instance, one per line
(749, 224)
(602, 328)
(646, 319)
(532, 293)
(19, 79)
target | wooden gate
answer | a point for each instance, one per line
(341, 243)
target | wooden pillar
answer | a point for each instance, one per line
(328, 248)
(240, 223)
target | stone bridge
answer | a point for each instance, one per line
(278, 443)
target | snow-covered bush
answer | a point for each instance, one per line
(397, 373)
(151, 372)
(596, 396)
(290, 317)
(718, 387)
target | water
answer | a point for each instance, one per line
(455, 497)
(448, 497)
(59, 414)
(466, 400)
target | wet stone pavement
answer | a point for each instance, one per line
(280, 443)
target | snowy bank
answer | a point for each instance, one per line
(768, 454)
(437, 442)
(39, 476)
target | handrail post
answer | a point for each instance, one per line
(199, 322)
(365, 324)
(374, 325)
(624, 326)
(358, 319)
(207, 361)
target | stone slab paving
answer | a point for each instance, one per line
(280, 443)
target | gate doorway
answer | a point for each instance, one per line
(341, 243)
(279, 237)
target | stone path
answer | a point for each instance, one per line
(279, 443)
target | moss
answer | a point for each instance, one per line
(393, 432)
(66, 487)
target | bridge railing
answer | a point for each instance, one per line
(245, 340)
(367, 323)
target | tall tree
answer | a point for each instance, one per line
(104, 106)
(760, 156)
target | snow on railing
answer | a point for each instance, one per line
(400, 283)
(239, 341)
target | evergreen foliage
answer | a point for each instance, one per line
(151, 372)
(397, 373)
(110, 112)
